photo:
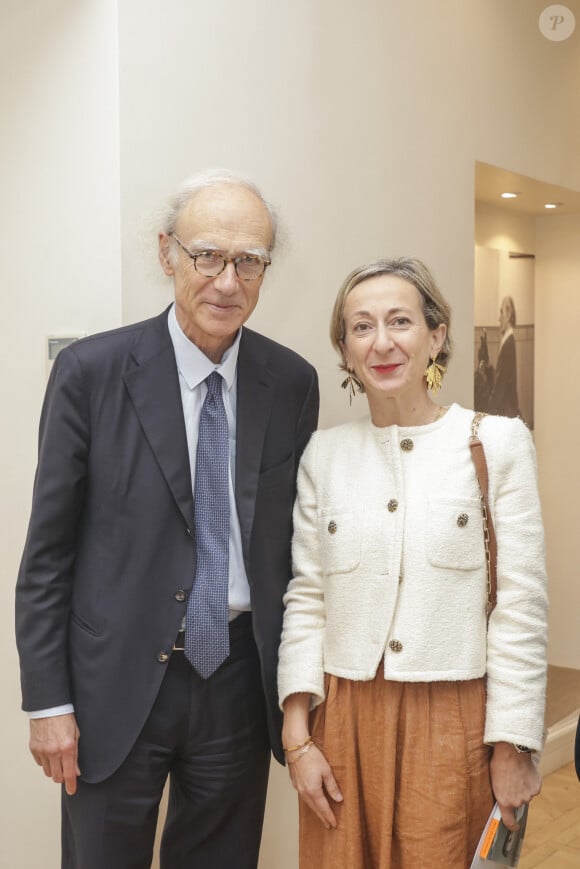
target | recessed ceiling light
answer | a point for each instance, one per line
(509, 195)
(553, 204)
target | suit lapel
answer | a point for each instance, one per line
(153, 385)
(256, 387)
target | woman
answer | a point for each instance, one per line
(422, 710)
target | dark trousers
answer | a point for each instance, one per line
(210, 736)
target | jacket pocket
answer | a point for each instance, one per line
(340, 541)
(83, 625)
(454, 533)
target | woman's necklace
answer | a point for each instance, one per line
(440, 411)
(407, 423)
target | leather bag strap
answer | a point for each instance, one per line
(479, 460)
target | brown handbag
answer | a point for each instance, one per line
(479, 460)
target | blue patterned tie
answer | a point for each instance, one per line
(207, 642)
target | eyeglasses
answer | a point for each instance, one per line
(211, 263)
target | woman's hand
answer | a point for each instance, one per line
(514, 779)
(309, 770)
(312, 777)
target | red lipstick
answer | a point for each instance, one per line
(385, 368)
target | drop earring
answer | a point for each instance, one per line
(351, 383)
(434, 374)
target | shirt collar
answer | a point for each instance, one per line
(509, 331)
(193, 365)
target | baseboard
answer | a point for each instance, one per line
(559, 748)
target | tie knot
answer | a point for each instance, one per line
(214, 383)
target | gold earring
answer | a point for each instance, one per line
(434, 374)
(350, 382)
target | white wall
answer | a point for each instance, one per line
(558, 422)
(497, 227)
(555, 240)
(497, 275)
(361, 121)
(60, 271)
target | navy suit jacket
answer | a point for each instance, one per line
(110, 546)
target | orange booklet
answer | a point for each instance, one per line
(498, 846)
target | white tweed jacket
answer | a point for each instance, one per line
(389, 561)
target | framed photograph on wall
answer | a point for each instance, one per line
(504, 333)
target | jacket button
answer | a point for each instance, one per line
(407, 445)
(180, 595)
(396, 646)
(162, 657)
(332, 527)
(462, 520)
(392, 505)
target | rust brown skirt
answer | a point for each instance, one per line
(413, 770)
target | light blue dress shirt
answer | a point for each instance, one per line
(193, 367)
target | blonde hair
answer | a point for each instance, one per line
(436, 309)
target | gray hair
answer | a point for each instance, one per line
(512, 310)
(212, 178)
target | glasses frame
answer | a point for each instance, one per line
(227, 260)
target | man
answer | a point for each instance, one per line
(149, 599)
(504, 397)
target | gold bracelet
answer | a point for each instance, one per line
(300, 752)
(297, 747)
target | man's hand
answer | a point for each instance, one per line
(514, 779)
(54, 746)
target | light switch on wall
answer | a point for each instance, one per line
(56, 343)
